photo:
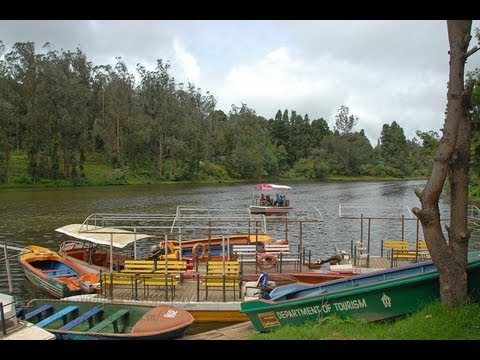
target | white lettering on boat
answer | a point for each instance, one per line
(170, 314)
(350, 305)
(308, 310)
(324, 308)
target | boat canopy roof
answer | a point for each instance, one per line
(271, 187)
(102, 235)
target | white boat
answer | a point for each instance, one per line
(270, 199)
(13, 328)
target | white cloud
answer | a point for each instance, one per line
(185, 65)
(384, 71)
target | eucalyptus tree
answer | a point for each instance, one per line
(195, 110)
(451, 161)
(344, 123)
(7, 118)
(23, 67)
(319, 130)
(422, 150)
(279, 128)
(393, 149)
(343, 145)
(74, 113)
(158, 99)
(119, 94)
(250, 151)
(301, 140)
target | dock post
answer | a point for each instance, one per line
(7, 265)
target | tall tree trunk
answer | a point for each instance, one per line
(452, 159)
(160, 154)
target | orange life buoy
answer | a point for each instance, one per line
(195, 251)
(266, 261)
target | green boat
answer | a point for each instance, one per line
(77, 320)
(374, 296)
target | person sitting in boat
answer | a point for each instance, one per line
(278, 200)
(262, 199)
(333, 260)
(268, 201)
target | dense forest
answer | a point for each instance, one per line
(60, 112)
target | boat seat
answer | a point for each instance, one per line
(62, 275)
(39, 312)
(62, 314)
(87, 316)
(112, 319)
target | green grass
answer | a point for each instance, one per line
(433, 322)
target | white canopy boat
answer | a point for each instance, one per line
(270, 199)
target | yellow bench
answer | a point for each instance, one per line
(108, 279)
(421, 253)
(391, 245)
(222, 274)
(176, 267)
(159, 280)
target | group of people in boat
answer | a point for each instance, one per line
(267, 200)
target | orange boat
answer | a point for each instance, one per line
(55, 274)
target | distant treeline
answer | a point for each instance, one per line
(60, 111)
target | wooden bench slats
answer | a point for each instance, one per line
(119, 279)
(60, 314)
(112, 319)
(401, 250)
(87, 316)
(148, 266)
(275, 248)
(39, 312)
(222, 275)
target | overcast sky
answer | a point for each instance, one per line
(384, 71)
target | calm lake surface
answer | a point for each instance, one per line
(31, 216)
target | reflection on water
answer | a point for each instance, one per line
(31, 216)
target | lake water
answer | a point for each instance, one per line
(31, 216)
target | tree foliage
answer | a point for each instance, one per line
(61, 111)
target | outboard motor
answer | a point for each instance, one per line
(263, 280)
(86, 286)
(262, 283)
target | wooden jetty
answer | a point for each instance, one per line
(240, 331)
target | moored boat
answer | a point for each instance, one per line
(319, 276)
(373, 296)
(96, 250)
(73, 320)
(58, 276)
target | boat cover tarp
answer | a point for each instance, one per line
(271, 187)
(102, 235)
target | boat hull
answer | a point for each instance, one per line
(376, 300)
(270, 210)
(311, 277)
(140, 322)
(54, 274)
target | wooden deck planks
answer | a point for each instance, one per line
(240, 331)
(186, 291)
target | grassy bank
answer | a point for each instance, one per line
(98, 172)
(434, 322)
